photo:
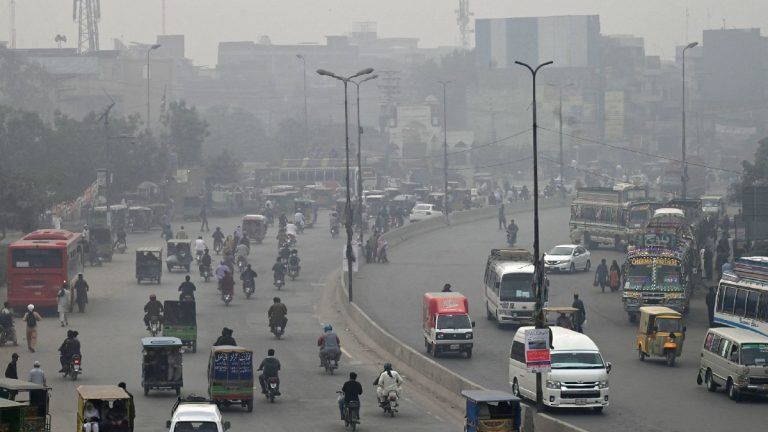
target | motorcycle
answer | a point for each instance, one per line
(330, 364)
(226, 298)
(155, 327)
(96, 261)
(249, 287)
(277, 330)
(511, 239)
(218, 246)
(390, 404)
(293, 271)
(291, 240)
(334, 231)
(300, 228)
(8, 334)
(186, 297)
(272, 389)
(121, 247)
(205, 273)
(74, 368)
(351, 412)
(279, 283)
(198, 256)
(241, 263)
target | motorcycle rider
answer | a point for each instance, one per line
(246, 241)
(221, 270)
(278, 270)
(227, 284)
(241, 254)
(218, 239)
(334, 222)
(68, 348)
(200, 247)
(153, 308)
(248, 275)
(187, 289)
(205, 262)
(282, 237)
(352, 391)
(270, 368)
(121, 238)
(298, 220)
(388, 381)
(330, 345)
(282, 220)
(285, 253)
(277, 314)
(225, 338)
(512, 229)
(294, 261)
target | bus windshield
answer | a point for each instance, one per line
(516, 287)
(37, 258)
(668, 275)
(638, 218)
(639, 274)
(754, 354)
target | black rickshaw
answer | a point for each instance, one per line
(491, 410)
(11, 416)
(149, 264)
(179, 254)
(162, 364)
(35, 402)
(100, 241)
(180, 321)
(140, 218)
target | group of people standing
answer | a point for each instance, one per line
(608, 277)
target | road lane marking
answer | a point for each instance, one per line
(346, 353)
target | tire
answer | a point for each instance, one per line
(247, 294)
(516, 388)
(598, 410)
(640, 354)
(146, 390)
(588, 266)
(249, 405)
(632, 317)
(178, 391)
(435, 350)
(488, 313)
(354, 425)
(469, 353)
(731, 390)
(427, 346)
(572, 269)
(670, 356)
(74, 377)
(709, 381)
(194, 346)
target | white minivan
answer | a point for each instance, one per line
(579, 376)
(736, 360)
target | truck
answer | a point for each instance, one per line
(446, 323)
(655, 276)
(601, 216)
(196, 413)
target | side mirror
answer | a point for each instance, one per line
(168, 424)
(473, 324)
(226, 425)
(608, 367)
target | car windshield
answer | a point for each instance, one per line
(37, 258)
(561, 250)
(195, 426)
(516, 287)
(668, 325)
(453, 322)
(754, 354)
(577, 360)
(422, 207)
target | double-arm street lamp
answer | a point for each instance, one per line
(359, 154)
(348, 216)
(149, 51)
(540, 322)
(684, 165)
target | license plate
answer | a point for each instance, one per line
(454, 346)
(581, 401)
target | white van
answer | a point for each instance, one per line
(579, 376)
(735, 359)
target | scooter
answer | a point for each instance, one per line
(272, 389)
(249, 288)
(74, 368)
(390, 404)
(351, 412)
(279, 283)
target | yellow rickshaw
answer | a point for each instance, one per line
(306, 207)
(661, 333)
(112, 404)
(255, 227)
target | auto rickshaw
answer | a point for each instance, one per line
(255, 227)
(230, 376)
(11, 416)
(158, 211)
(149, 264)
(140, 218)
(161, 366)
(102, 240)
(180, 321)
(491, 411)
(305, 206)
(661, 333)
(179, 254)
(34, 401)
(112, 403)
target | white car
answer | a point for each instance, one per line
(424, 211)
(568, 258)
(197, 416)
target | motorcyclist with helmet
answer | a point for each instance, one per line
(153, 308)
(187, 289)
(387, 382)
(330, 345)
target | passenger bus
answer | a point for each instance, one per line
(39, 263)
(742, 296)
(509, 287)
(302, 172)
(601, 216)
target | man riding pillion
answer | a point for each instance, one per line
(187, 289)
(277, 314)
(270, 368)
(153, 308)
(330, 345)
(388, 381)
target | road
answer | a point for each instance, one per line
(647, 396)
(111, 329)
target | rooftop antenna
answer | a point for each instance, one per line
(87, 14)
(12, 14)
(463, 18)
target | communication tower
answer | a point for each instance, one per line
(463, 18)
(87, 14)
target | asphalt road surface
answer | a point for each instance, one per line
(647, 396)
(112, 327)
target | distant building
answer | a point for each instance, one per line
(734, 65)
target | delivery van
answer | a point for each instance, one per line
(446, 323)
(579, 376)
(735, 360)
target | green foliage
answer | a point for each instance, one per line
(757, 172)
(234, 129)
(223, 168)
(185, 132)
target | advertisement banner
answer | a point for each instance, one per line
(537, 355)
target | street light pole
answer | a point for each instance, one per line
(348, 217)
(306, 117)
(560, 117)
(445, 148)
(684, 165)
(359, 155)
(151, 48)
(540, 322)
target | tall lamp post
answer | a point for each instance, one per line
(348, 216)
(684, 178)
(306, 117)
(149, 51)
(445, 148)
(540, 322)
(560, 118)
(359, 154)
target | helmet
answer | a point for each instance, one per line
(152, 297)
(387, 366)
(30, 307)
(328, 327)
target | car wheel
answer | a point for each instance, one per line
(711, 386)
(588, 266)
(598, 410)
(640, 354)
(733, 393)
(573, 268)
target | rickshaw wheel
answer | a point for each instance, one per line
(178, 391)
(640, 354)
(249, 405)
(146, 390)
(670, 358)
(194, 346)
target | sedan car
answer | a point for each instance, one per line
(423, 211)
(567, 258)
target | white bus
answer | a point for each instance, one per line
(509, 286)
(742, 296)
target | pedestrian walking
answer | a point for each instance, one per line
(81, 293)
(31, 318)
(63, 304)
(614, 276)
(601, 275)
(580, 316)
(710, 299)
(12, 372)
(204, 218)
(502, 218)
(132, 408)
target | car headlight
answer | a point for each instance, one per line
(439, 336)
(468, 335)
(553, 384)
(603, 384)
(742, 380)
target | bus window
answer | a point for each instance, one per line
(741, 303)
(37, 258)
(728, 299)
(751, 311)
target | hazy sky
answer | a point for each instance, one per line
(206, 22)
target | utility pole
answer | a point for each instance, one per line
(684, 167)
(360, 155)
(560, 117)
(105, 118)
(12, 15)
(149, 120)
(306, 115)
(87, 14)
(539, 318)
(445, 149)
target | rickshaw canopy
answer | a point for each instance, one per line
(101, 392)
(149, 250)
(489, 396)
(254, 217)
(20, 385)
(161, 342)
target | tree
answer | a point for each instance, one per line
(185, 132)
(757, 172)
(235, 129)
(223, 168)
(24, 85)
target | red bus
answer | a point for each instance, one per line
(39, 264)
